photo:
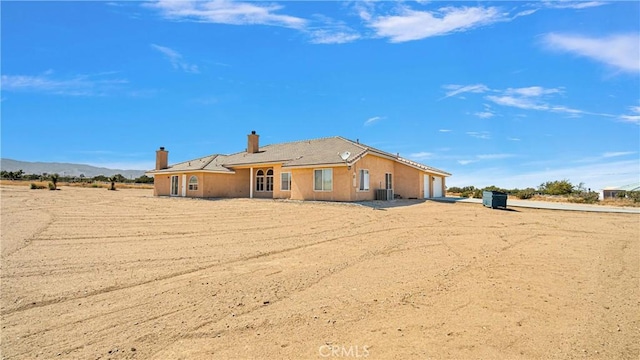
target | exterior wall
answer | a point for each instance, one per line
(226, 185)
(377, 167)
(409, 182)
(303, 180)
(161, 184)
(278, 193)
(195, 193)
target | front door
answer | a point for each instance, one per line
(437, 186)
(174, 185)
(427, 193)
(184, 185)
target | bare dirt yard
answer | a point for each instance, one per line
(96, 274)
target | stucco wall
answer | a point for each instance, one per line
(226, 185)
(161, 185)
(302, 185)
(377, 167)
(408, 182)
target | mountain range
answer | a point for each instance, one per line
(65, 169)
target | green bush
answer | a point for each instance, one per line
(558, 187)
(525, 194)
(52, 186)
(634, 195)
(585, 198)
(37, 187)
(477, 194)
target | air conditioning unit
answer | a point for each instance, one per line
(384, 194)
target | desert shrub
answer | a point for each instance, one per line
(525, 193)
(634, 195)
(621, 194)
(37, 187)
(477, 194)
(590, 197)
(558, 187)
(52, 186)
(454, 189)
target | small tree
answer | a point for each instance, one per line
(113, 180)
(558, 187)
(53, 185)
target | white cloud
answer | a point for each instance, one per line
(513, 139)
(521, 103)
(227, 12)
(634, 117)
(325, 36)
(415, 25)
(618, 51)
(533, 91)
(373, 120)
(617, 153)
(484, 114)
(572, 4)
(423, 155)
(77, 85)
(454, 90)
(485, 135)
(494, 156)
(444, 130)
(466, 162)
(176, 59)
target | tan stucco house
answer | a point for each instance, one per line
(333, 168)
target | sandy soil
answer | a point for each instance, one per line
(96, 274)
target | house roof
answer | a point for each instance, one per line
(630, 187)
(314, 152)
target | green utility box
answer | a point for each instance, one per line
(494, 199)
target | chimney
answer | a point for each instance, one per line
(162, 159)
(252, 143)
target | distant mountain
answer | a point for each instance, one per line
(64, 169)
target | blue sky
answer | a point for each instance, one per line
(504, 93)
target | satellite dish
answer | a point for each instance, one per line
(345, 155)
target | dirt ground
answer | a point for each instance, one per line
(96, 274)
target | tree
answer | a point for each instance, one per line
(558, 187)
(53, 185)
(113, 180)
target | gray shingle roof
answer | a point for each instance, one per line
(314, 152)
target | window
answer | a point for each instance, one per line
(323, 180)
(364, 180)
(388, 183)
(270, 180)
(260, 180)
(193, 183)
(285, 181)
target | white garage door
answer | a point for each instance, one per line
(437, 186)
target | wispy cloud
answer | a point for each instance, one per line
(373, 120)
(445, 130)
(76, 85)
(227, 12)
(325, 30)
(485, 135)
(453, 90)
(411, 24)
(533, 91)
(634, 117)
(617, 153)
(466, 162)
(618, 51)
(423, 155)
(572, 4)
(513, 139)
(494, 156)
(175, 58)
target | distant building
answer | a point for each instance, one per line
(612, 191)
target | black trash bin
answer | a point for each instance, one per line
(494, 199)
